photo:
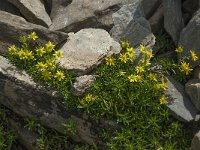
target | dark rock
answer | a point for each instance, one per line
(173, 21)
(157, 20)
(196, 142)
(90, 14)
(8, 7)
(190, 37)
(192, 88)
(190, 6)
(34, 11)
(179, 103)
(150, 7)
(196, 73)
(12, 26)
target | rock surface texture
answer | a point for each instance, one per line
(12, 26)
(95, 13)
(192, 88)
(179, 103)
(34, 11)
(173, 21)
(8, 7)
(190, 37)
(86, 49)
(196, 142)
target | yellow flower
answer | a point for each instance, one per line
(41, 66)
(179, 49)
(123, 58)
(162, 86)
(129, 49)
(163, 99)
(58, 54)
(193, 55)
(22, 39)
(185, 67)
(40, 51)
(148, 54)
(51, 64)
(21, 54)
(110, 61)
(46, 75)
(130, 55)
(33, 36)
(122, 73)
(135, 78)
(59, 75)
(50, 46)
(28, 54)
(12, 49)
(139, 69)
(143, 48)
(125, 44)
(90, 98)
(152, 77)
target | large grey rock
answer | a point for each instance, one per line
(86, 49)
(196, 142)
(72, 16)
(12, 26)
(27, 99)
(81, 84)
(192, 88)
(190, 37)
(8, 7)
(130, 24)
(179, 103)
(173, 21)
(150, 7)
(33, 10)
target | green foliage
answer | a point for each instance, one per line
(70, 127)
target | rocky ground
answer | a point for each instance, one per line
(86, 32)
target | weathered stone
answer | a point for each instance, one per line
(34, 11)
(157, 20)
(173, 21)
(12, 26)
(150, 7)
(130, 24)
(192, 88)
(190, 37)
(27, 138)
(196, 142)
(81, 84)
(90, 13)
(8, 7)
(179, 103)
(27, 99)
(86, 49)
(196, 73)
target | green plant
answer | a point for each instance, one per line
(70, 127)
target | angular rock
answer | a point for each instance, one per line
(173, 20)
(90, 13)
(157, 20)
(192, 88)
(86, 49)
(12, 26)
(81, 84)
(130, 24)
(179, 103)
(190, 37)
(196, 142)
(33, 10)
(150, 7)
(28, 99)
(8, 7)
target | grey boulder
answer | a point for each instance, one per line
(192, 88)
(86, 49)
(179, 103)
(33, 10)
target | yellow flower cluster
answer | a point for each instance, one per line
(135, 78)
(163, 99)
(46, 66)
(90, 98)
(185, 67)
(193, 55)
(146, 56)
